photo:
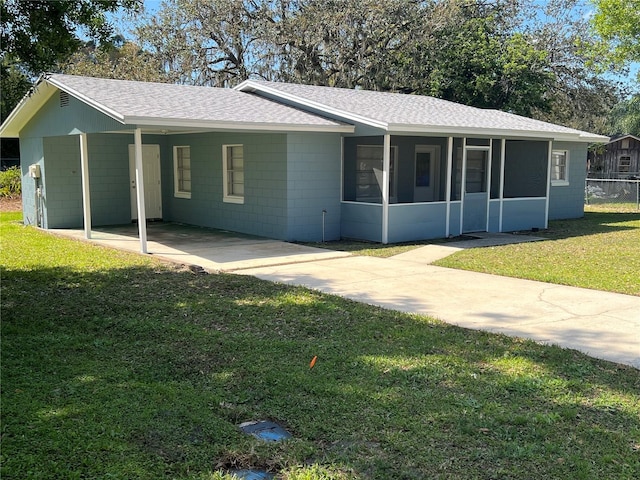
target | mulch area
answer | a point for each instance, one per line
(10, 204)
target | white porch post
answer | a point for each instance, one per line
(386, 167)
(448, 194)
(142, 216)
(503, 154)
(488, 174)
(86, 192)
(546, 207)
(463, 183)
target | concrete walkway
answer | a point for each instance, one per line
(600, 324)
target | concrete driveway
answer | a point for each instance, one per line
(600, 324)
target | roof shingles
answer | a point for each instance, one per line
(146, 100)
(396, 110)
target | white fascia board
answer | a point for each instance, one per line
(249, 86)
(495, 132)
(28, 106)
(92, 103)
(221, 125)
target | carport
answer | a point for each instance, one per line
(203, 249)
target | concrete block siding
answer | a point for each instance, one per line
(567, 201)
(313, 185)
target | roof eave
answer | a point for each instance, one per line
(496, 132)
(246, 126)
(251, 86)
(26, 109)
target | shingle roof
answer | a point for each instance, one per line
(402, 112)
(147, 103)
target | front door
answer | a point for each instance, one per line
(426, 182)
(152, 182)
(476, 191)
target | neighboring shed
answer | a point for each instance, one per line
(286, 161)
(620, 158)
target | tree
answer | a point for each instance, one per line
(617, 22)
(625, 117)
(209, 42)
(38, 34)
(124, 60)
(579, 96)
(14, 86)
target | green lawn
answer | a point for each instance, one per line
(118, 366)
(600, 251)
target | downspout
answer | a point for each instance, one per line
(448, 194)
(86, 195)
(142, 215)
(386, 166)
(503, 155)
(546, 207)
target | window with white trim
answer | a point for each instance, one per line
(233, 173)
(559, 167)
(182, 171)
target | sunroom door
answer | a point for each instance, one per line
(476, 190)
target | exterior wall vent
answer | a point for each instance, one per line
(64, 99)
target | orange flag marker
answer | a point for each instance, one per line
(313, 362)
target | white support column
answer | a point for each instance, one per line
(503, 151)
(546, 207)
(488, 174)
(463, 183)
(386, 167)
(448, 194)
(142, 215)
(86, 192)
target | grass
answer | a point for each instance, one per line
(118, 366)
(600, 251)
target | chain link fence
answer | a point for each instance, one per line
(600, 190)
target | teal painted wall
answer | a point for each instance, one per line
(53, 120)
(265, 208)
(31, 152)
(568, 201)
(523, 214)
(109, 176)
(313, 185)
(62, 185)
(417, 222)
(494, 215)
(361, 221)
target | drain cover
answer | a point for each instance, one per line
(252, 475)
(265, 430)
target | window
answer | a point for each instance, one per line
(559, 167)
(233, 172)
(624, 164)
(624, 144)
(182, 171)
(477, 162)
(369, 173)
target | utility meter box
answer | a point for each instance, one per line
(34, 170)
